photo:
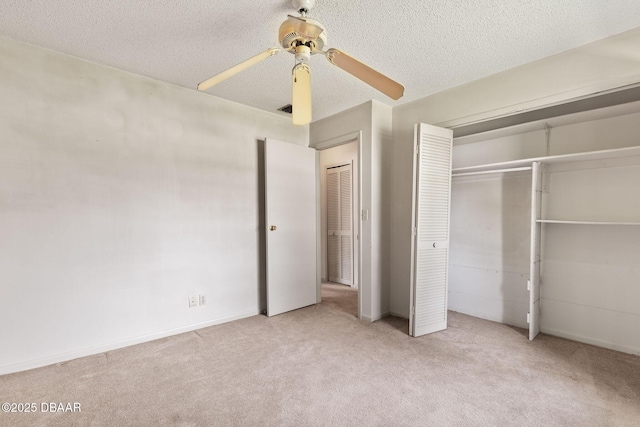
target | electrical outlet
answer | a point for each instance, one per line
(203, 300)
(193, 301)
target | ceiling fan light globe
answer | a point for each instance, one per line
(303, 53)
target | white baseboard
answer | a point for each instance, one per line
(374, 318)
(491, 316)
(64, 357)
(592, 341)
(401, 315)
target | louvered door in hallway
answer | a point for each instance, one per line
(340, 224)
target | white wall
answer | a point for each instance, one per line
(618, 131)
(595, 67)
(489, 247)
(589, 273)
(524, 145)
(120, 197)
(336, 156)
(381, 200)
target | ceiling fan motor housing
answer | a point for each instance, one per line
(291, 36)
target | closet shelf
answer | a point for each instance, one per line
(556, 221)
(576, 157)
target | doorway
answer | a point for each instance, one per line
(340, 223)
(339, 205)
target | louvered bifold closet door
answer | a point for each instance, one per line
(430, 229)
(339, 225)
(333, 225)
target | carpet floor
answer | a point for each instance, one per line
(321, 366)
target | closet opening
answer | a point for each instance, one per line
(545, 211)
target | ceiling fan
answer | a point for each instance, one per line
(304, 37)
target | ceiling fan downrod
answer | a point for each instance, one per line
(303, 6)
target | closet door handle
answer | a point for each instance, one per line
(434, 244)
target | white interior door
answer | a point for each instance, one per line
(340, 224)
(430, 229)
(290, 207)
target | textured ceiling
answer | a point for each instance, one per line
(428, 46)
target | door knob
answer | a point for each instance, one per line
(272, 228)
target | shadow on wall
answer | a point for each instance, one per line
(515, 248)
(489, 252)
(262, 231)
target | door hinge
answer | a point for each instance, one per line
(413, 310)
(417, 150)
(415, 231)
(528, 317)
(529, 285)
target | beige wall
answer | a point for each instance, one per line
(120, 197)
(381, 199)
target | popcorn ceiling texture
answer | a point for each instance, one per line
(428, 46)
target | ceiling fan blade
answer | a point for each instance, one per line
(305, 27)
(384, 84)
(301, 100)
(237, 68)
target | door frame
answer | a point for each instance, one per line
(325, 145)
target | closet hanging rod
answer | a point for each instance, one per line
(526, 168)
